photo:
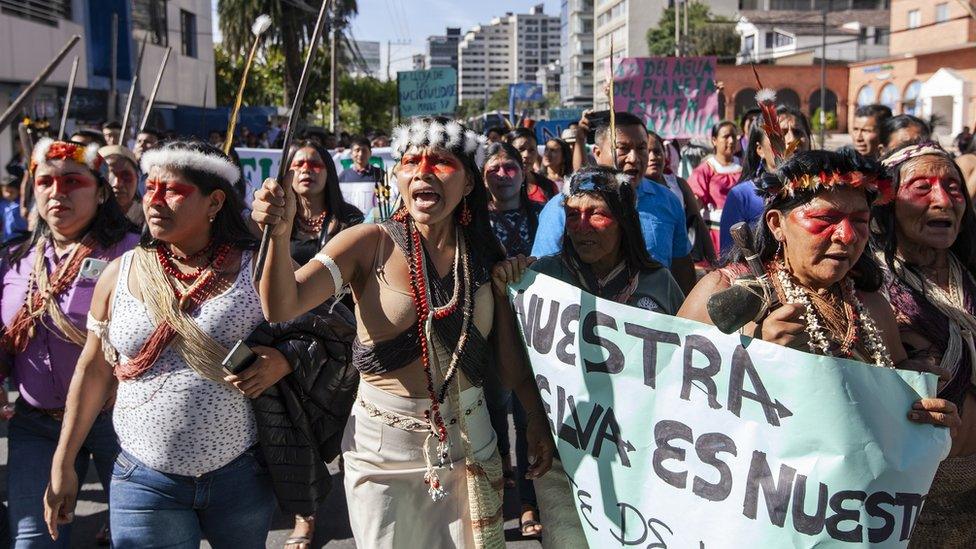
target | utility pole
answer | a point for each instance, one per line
(333, 91)
(389, 57)
(677, 28)
(823, 76)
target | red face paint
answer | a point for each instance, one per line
(440, 165)
(926, 190)
(588, 219)
(507, 170)
(311, 166)
(63, 184)
(165, 191)
(826, 223)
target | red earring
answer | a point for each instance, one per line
(465, 213)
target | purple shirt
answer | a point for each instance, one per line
(43, 372)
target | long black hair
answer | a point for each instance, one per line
(884, 236)
(334, 202)
(567, 153)
(108, 227)
(866, 273)
(228, 225)
(621, 199)
(900, 122)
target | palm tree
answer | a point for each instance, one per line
(291, 28)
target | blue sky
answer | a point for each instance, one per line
(415, 20)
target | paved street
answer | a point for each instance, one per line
(333, 526)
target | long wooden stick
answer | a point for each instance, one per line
(613, 112)
(296, 107)
(155, 90)
(232, 122)
(29, 91)
(67, 98)
(123, 137)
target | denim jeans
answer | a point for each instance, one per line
(33, 437)
(231, 507)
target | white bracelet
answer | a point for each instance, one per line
(330, 264)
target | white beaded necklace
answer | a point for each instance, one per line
(819, 342)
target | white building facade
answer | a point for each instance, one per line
(796, 37)
(576, 53)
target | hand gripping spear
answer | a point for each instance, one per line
(260, 25)
(296, 106)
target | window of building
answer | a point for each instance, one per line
(881, 35)
(47, 12)
(770, 38)
(914, 19)
(865, 96)
(941, 12)
(890, 97)
(862, 35)
(150, 16)
(782, 40)
(749, 44)
(188, 33)
(910, 104)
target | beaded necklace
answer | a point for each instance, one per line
(199, 285)
(419, 284)
(857, 317)
(311, 225)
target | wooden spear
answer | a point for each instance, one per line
(28, 92)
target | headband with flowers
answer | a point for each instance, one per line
(49, 149)
(806, 183)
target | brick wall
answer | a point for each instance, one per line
(929, 36)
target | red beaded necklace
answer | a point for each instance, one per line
(311, 225)
(421, 298)
(201, 284)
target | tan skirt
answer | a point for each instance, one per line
(383, 449)
(948, 518)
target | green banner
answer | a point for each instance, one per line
(676, 435)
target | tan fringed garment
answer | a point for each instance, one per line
(42, 294)
(201, 352)
(948, 519)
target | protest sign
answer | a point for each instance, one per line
(547, 129)
(676, 435)
(431, 91)
(260, 164)
(675, 96)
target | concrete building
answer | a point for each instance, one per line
(367, 52)
(813, 5)
(576, 53)
(549, 76)
(484, 60)
(627, 21)
(931, 67)
(510, 49)
(442, 51)
(535, 42)
(419, 61)
(796, 37)
(32, 35)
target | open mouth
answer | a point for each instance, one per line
(939, 223)
(425, 198)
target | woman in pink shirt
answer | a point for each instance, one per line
(712, 180)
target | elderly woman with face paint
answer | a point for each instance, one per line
(162, 319)
(927, 240)
(123, 176)
(812, 238)
(421, 464)
(47, 288)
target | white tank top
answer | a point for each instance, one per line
(170, 418)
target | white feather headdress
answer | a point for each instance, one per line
(180, 159)
(450, 135)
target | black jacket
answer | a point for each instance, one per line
(301, 418)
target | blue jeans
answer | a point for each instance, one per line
(33, 437)
(231, 507)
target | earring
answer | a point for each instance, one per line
(465, 213)
(212, 219)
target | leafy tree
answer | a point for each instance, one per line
(498, 100)
(707, 34)
(265, 80)
(291, 29)
(375, 100)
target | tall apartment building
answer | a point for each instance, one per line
(511, 48)
(628, 21)
(535, 42)
(442, 51)
(576, 53)
(814, 5)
